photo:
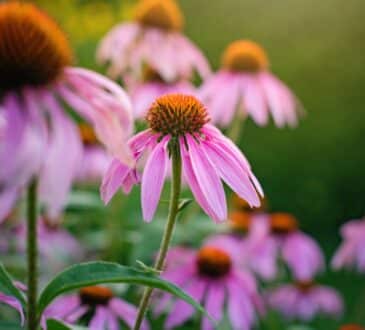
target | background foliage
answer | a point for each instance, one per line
(316, 171)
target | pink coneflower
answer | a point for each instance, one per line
(95, 159)
(305, 300)
(151, 87)
(351, 253)
(181, 121)
(106, 309)
(212, 276)
(245, 84)
(153, 38)
(277, 235)
(36, 79)
(55, 244)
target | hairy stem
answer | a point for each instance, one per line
(32, 255)
(170, 225)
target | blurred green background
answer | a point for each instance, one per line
(315, 171)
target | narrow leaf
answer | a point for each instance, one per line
(8, 288)
(98, 272)
(183, 203)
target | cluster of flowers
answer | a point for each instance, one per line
(156, 63)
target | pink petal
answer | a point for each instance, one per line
(113, 179)
(207, 179)
(13, 302)
(182, 311)
(230, 170)
(99, 320)
(214, 305)
(153, 179)
(63, 157)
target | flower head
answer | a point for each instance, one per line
(244, 56)
(33, 49)
(245, 84)
(106, 309)
(153, 39)
(213, 276)
(162, 14)
(305, 300)
(351, 253)
(207, 158)
(273, 235)
(36, 80)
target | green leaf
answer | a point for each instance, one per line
(10, 326)
(57, 325)
(7, 286)
(300, 327)
(98, 272)
(183, 203)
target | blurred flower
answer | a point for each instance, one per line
(106, 309)
(305, 300)
(207, 158)
(352, 250)
(55, 244)
(351, 327)
(245, 83)
(39, 138)
(277, 234)
(211, 276)
(151, 87)
(95, 159)
(154, 38)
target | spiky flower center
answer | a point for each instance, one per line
(95, 295)
(244, 56)
(213, 262)
(33, 49)
(87, 135)
(240, 221)
(162, 14)
(283, 223)
(305, 286)
(177, 115)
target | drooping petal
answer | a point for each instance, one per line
(231, 171)
(303, 256)
(7, 200)
(240, 309)
(153, 178)
(182, 311)
(100, 318)
(207, 179)
(109, 109)
(127, 312)
(192, 181)
(113, 179)
(254, 101)
(214, 305)
(62, 159)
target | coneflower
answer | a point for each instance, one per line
(245, 84)
(153, 38)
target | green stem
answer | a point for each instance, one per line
(32, 255)
(235, 131)
(166, 239)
